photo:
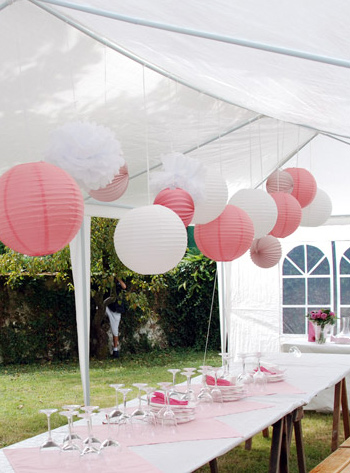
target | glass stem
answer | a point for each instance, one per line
(49, 426)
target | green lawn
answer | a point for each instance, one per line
(24, 389)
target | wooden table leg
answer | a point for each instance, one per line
(345, 409)
(298, 433)
(248, 444)
(213, 466)
(265, 433)
(286, 440)
(275, 452)
(336, 416)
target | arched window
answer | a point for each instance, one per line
(307, 283)
(344, 277)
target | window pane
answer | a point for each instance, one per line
(322, 268)
(294, 320)
(298, 256)
(345, 312)
(344, 266)
(289, 269)
(319, 292)
(347, 253)
(293, 291)
(313, 256)
(345, 290)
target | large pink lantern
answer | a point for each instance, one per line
(179, 201)
(41, 208)
(227, 237)
(115, 189)
(266, 252)
(289, 215)
(304, 185)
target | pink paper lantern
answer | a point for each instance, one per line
(289, 215)
(115, 189)
(279, 181)
(266, 252)
(41, 208)
(304, 185)
(227, 237)
(179, 201)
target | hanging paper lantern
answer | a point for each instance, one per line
(318, 212)
(304, 185)
(260, 207)
(215, 198)
(115, 189)
(150, 239)
(266, 252)
(289, 215)
(179, 201)
(41, 208)
(227, 237)
(279, 181)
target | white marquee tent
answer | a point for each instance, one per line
(242, 86)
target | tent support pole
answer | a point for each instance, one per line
(80, 258)
(222, 306)
(202, 34)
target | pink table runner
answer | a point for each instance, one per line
(32, 460)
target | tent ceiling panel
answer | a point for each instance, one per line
(289, 88)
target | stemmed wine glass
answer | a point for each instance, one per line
(87, 414)
(225, 364)
(173, 391)
(73, 435)
(109, 442)
(69, 445)
(204, 395)
(139, 412)
(116, 412)
(125, 417)
(189, 394)
(244, 378)
(259, 377)
(149, 416)
(49, 443)
(167, 415)
(215, 392)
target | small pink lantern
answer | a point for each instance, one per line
(41, 208)
(179, 201)
(115, 189)
(304, 185)
(227, 237)
(289, 215)
(266, 252)
(279, 181)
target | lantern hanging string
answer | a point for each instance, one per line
(146, 132)
(210, 317)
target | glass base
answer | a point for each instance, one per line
(50, 444)
(109, 443)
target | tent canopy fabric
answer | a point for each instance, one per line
(241, 86)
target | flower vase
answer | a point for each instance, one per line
(321, 333)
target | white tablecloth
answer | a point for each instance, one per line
(311, 372)
(324, 401)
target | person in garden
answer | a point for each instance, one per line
(114, 310)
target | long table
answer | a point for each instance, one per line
(310, 374)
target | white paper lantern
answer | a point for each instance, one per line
(150, 239)
(280, 181)
(318, 212)
(215, 198)
(260, 207)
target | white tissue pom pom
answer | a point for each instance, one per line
(88, 152)
(180, 171)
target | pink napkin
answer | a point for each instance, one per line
(311, 332)
(158, 398)
(220, 381)
(265, 370)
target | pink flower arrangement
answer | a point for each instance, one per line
(322, 317)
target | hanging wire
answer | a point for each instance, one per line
(261, 156)
(219, 133)
(250, 156)
(75, 109)
(210, 317)
(105, 76)
(146, 131)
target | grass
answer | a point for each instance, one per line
(24, 389)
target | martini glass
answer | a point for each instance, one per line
(149, 416)
(173, 391)
(167, 415)
(139, 412)
(90, 440)
(259, 377)
(124, 418)
(244, 378)
(49, 443)
(69, 445)
(225, 364)
(204, 396)
(116, 412)
(216, 393)
(73, 435)
(109, 442)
